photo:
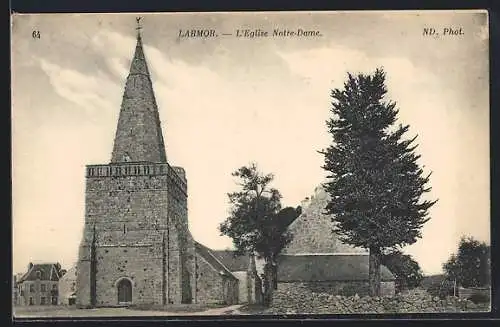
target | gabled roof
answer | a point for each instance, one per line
(232, 261)
(48, 271)
(209, 257)
(312, 230)
(330, 267)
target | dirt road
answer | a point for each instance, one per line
(117, 312)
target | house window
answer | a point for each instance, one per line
(43, 300)
(31, 301)
(38, 274)
(32, 288)
(54, 287)
(43, 288)
(54, 300)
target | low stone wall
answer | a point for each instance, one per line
(296, 298)
(350, 288)
(467, 293)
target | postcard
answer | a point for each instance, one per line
(250, 163)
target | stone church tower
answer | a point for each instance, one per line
(136, 247)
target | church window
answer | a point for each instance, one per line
(124, 229)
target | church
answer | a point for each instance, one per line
(137, 248)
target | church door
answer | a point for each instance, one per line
(124, 291)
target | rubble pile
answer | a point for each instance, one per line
(299, 299)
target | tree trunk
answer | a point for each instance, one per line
(374, 271)
(268, 284)
(275, 277)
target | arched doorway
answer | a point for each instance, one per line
(124, 291)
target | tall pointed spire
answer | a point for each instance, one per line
(138, 135)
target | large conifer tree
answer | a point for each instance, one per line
(375, 182)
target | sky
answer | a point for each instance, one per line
(225, 102)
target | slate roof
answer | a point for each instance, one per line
(208, 255)
(308, 268)
(48, 271)
(232, 262)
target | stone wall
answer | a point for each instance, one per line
(297, 298)
(230, 288)
(67, 286)
(345, 288)
(242, 286)
(208, 282)
(466, 293)
(141, 265)
(140, 218)
(334, 288)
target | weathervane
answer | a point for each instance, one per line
(139, 27)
